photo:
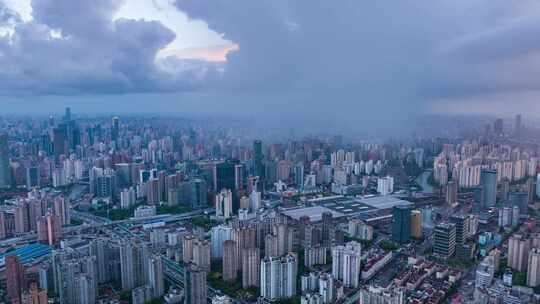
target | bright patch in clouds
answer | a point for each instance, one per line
(194, 40)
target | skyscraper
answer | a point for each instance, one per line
(5, 172)
(230, 260)
(517, 126)
(224, 204)
(115, 128)
(533, 268)
(346, 263)
(451, 192)
(250, 267)
(258, 167)
(133, 264)
(278, 277)
(401, 224)
(60, 143)
(195, 288)
(155, 275)
(488, 180)
(498, 127)
(225, 176)
(519, 199)
(416, 224)
(14, 278)
(444, 240)
(201, 254)
(518, 251)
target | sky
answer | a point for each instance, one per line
(357, 64)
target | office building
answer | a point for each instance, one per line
(484, 273)
(462, 227)
(258, 166)
(444, 240)
(32, 177)
(416, 224)
(520, 200)
(5, 171)
(225, 176)
(401, 224)
(451, 192)
(488, 180)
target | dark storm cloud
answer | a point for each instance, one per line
(392, 57)
(74, 47)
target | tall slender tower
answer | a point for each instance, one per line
(5, 172)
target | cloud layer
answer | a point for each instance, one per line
(371, 56)
(73, 47)
(359, 62)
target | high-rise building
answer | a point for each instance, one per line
(32, 177)
(278, 277)
(518, 251)
(34, 295)
(298, 172)
(378, 295)
(5, 172)
(444, 240)
(462, 227)
(218, 235)
(401, 224)
(517, 126)
(14, 278)
(60, 143)
(451, 192)
(195, 288)
(327, 228)
(258, 167)
(498, 127)
(250, 267)
(49, 229)
(224, 204)
(533, 268)
(115, 128)
(133, 264)
(230, 260)
(225, 176)
(488, 180)
(155, 275)
(478, 199)
(484, 273)
(520, 200)
(385, 185)
(201, 254)
(346, 263)
(416, 224)
(62, 210)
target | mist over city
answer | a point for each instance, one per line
(269, 152)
